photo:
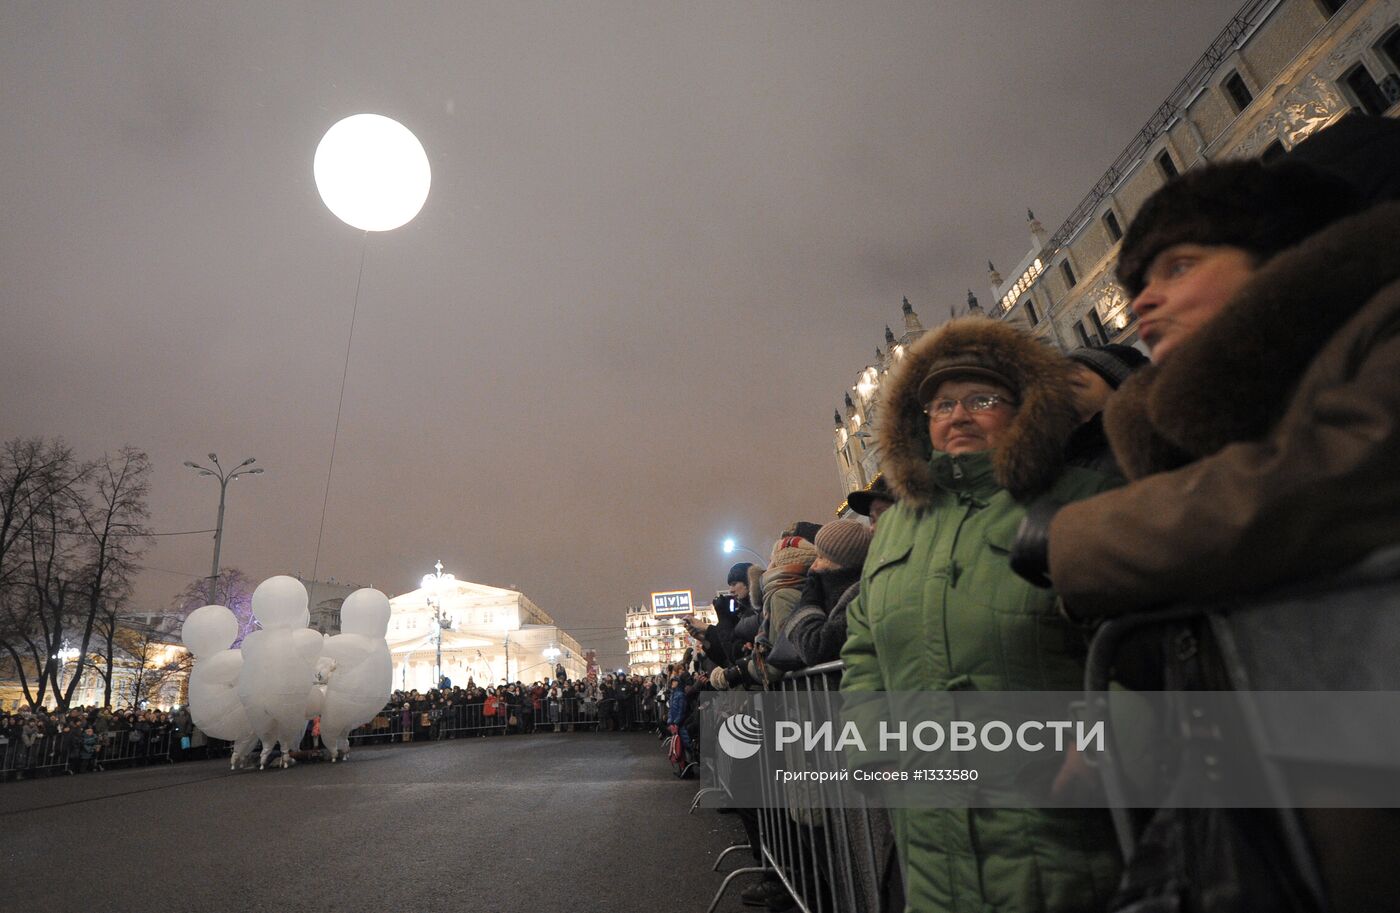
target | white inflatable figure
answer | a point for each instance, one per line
(214, 703)
(279, 664)
(357, 668)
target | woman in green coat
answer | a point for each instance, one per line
(973, 424)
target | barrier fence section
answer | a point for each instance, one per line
(1335, 635)
(570, 714)
(831, 850)
(52, 753)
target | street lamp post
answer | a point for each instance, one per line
(730, 545)
(435, 584)
(224, 478)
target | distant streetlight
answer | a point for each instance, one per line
(436, 585)
(63, 656)
(730, 545)
(224, 478)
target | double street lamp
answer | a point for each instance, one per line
(224, 476)
(436, 585)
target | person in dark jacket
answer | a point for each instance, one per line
(817, 629)
(872, 501)
(719, 642)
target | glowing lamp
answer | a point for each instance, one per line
(372, 172)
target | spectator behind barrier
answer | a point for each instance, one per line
(816, 631)
(973, 425)
(1262, 444)
(777, 589)
(1262, 441)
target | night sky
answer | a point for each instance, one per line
(661, 241)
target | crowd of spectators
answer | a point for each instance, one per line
(608, 703)
(83, 739)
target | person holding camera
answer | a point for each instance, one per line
(721, 643)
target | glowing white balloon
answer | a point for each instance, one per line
(372, 172)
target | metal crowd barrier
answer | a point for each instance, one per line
(829, 848)
(48, 755)
(1335, 635)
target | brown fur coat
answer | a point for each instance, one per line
(1266, 448)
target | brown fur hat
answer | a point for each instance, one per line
(1032, 455)
(1234, 378)
(1262, 208)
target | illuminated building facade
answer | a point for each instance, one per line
(489, 635)
(1278, 72)
(656, 641)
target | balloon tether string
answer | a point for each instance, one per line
(335, 436)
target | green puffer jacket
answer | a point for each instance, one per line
(940, 609)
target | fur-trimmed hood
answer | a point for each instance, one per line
(1234, 378)
(1032, 456)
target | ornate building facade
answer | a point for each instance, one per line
(1279, 71)
(656, 641)
(473, 632)
(857, 460)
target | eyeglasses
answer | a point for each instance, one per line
(940, 410)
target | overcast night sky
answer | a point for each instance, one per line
(661, 241)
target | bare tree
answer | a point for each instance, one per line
(39, 482)
(79, 530)
(148, 661)
(235, 589)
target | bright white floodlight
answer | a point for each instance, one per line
(728, 546)
(372, 172)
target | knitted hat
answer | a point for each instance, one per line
(861, 499)
(1111, 362)
(739, 573)
(1261, 208)
(844, 542)
(791, 550)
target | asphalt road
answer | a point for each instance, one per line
(543, 823)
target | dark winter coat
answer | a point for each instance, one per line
(1265, 449)
(818, 628)
(939, 609)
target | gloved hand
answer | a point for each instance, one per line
(1030, 553)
